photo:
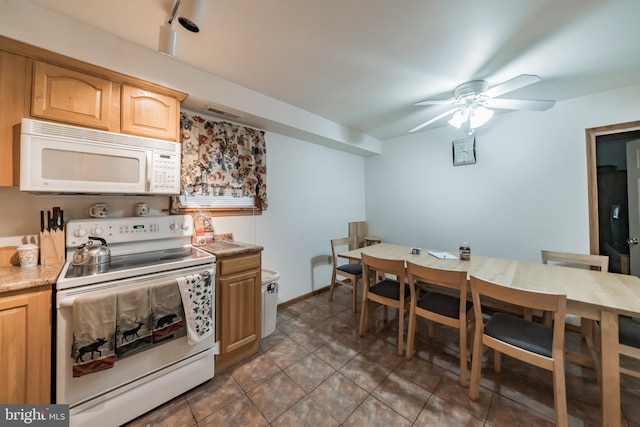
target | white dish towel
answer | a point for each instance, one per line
(196, 291)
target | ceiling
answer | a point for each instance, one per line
(365, 63)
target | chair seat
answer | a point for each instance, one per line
(354, 269)
(445, 305)
(521, 333)
(629, 332)
(389, 289)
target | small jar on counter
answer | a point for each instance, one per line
(465, 252)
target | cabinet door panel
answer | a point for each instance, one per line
(149, 114)
(25, 347)
(241, 310)
(13, 352)
(69, 96)
(13, 71)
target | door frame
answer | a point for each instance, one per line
(592, 176)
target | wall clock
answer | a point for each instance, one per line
(464, 151)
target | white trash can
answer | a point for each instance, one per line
(269, 301)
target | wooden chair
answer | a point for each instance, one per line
(628, 343)
(439, 307)
(525, 340)
(599, 262)
(386, 291)
(352, 273)
(629, 339)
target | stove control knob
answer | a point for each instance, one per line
(185, 226)
(174, 226)
(80, 232)
(98, 231)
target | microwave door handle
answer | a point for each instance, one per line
(148, 171)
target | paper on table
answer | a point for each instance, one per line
(442, 255)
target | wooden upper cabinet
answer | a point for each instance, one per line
(37, 83)
(70, 96)
(13, 77)
(146, 113)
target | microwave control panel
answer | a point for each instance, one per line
(165, 174)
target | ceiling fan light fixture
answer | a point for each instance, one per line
(479, 116)
(459, 117)
(191, 12)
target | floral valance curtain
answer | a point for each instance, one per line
(223, 159)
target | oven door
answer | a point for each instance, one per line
(143, 371)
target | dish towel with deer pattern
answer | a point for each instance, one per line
(133, 322)
(167, 316)
(197, 299)
(94, 327)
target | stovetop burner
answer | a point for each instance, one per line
(139, 246)
(138, 260)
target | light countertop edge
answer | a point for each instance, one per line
(17, 278)
(241, 248)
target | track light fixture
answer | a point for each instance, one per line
(190, 16)
(168, 41)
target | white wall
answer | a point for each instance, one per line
(527, 191)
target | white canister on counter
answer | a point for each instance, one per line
(28, 255)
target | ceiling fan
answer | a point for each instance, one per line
(474, 102)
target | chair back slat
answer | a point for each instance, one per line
(599, 262)
(336, 243)
(382, 266)
(456, 280)
(523, 298)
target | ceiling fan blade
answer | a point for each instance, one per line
(519, 104)
(436, 102)
(510, 85)
(435, 119)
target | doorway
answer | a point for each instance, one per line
(607, 185)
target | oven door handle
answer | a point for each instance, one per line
(67, 302)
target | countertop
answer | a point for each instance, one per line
(17, 278)
(229, 248)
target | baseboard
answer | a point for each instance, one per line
(302, 297)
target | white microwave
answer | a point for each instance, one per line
(57, 158)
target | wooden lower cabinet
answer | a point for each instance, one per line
(238, 307)
(25, 346)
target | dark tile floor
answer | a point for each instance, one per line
(315, 370)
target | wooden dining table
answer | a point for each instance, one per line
(590, 294)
